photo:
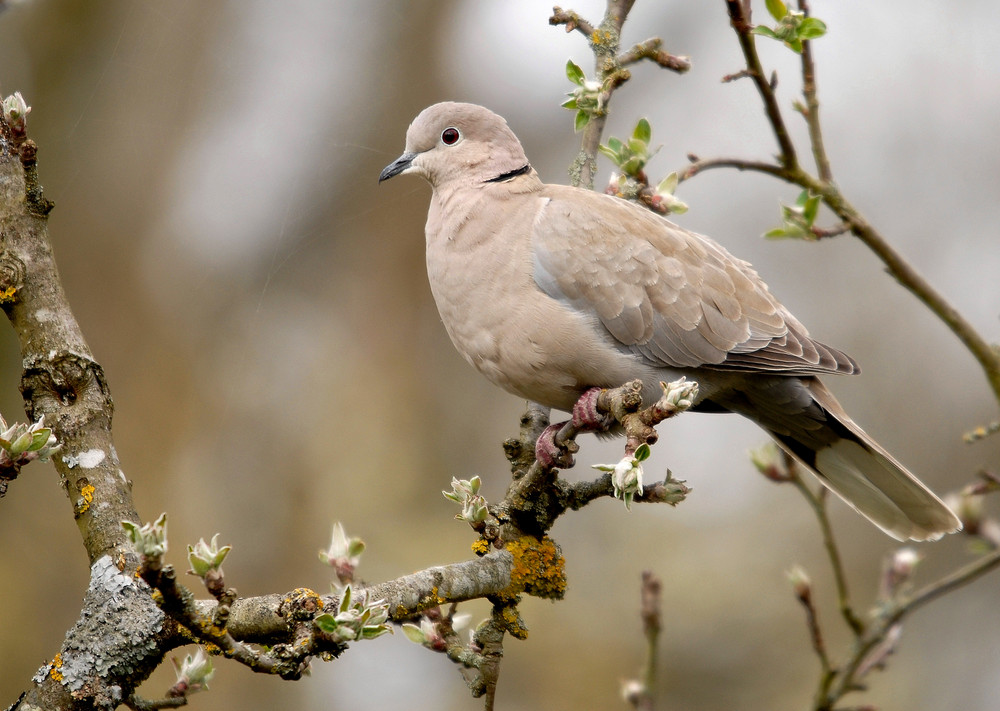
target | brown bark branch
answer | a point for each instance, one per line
(848, 676)
(61, 380)
(811, 112)
(739, 17)
(651, 49)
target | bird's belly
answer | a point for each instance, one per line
(538, 348)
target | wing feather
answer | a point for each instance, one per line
(674, 297)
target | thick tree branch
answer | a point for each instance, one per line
(61, 380)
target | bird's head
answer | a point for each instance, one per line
(452, 141)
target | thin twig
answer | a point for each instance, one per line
(818, 504)
(960, 578)
(824, 232)
(650, 49)
(847, 680)
(651, 626)
(739, 17)
(698, 165)
(137, 703)
(803, 592)
(572, 21)
(811, 112)
(987, 356)
(906, 274)
(669, 491)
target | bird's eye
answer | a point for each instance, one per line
(450, 136)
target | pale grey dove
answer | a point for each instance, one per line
(550, 291)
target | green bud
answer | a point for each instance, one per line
(150, 539)
(206, 557)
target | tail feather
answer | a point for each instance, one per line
(813, 428)
(879, 488)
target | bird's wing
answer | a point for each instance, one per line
(674, 297)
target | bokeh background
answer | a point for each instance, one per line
(277, 363)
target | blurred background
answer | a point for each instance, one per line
(261, 309)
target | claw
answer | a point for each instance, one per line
(552, 455)
(555, 447)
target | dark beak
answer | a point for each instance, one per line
(397, 166)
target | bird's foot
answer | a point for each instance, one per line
(553, 451)
(555, 446)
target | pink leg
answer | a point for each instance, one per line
(586, 418)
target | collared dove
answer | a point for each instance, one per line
(551, 291)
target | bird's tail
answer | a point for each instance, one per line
(862, 473)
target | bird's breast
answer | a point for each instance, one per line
(481, 274)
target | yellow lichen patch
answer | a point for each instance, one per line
(601, 37)
(186, 633)
(539, 568)
(55, 667)
(513, 624)
(301, 604)
(86, 498)
(207, 628)
(431, 600)
(7, 295)
(480, 546)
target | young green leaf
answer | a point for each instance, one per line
(582, 119)
(810, 209)
(638, 147)
(764, 32)
(39, 438)
(371, 632)
(643, 132)
(414, 633)
(326, 622)
(20, 444)
(574, 73)
(632, 166)
(668, 184)
(610, 153)
(777, 9)
(811, 28)
(784, 233)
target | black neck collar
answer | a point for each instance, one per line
(510, 174)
